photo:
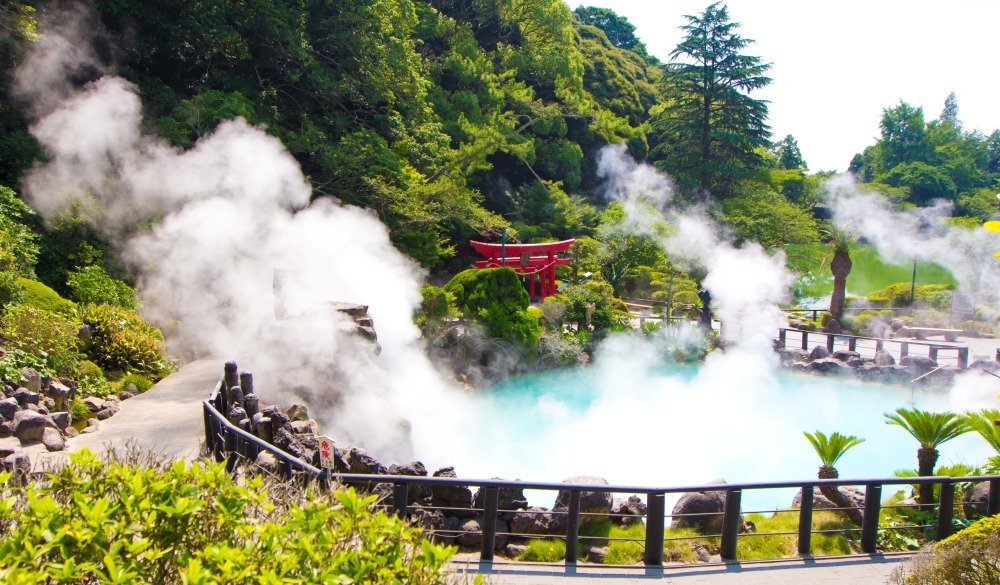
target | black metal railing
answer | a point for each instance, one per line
(943, 354)
(227, 442)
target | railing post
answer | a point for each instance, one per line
(231, 445)
(904, 349)
(655, 510)
(869, 522)
(831, 339)
(805, 340)
(490, 504)
(209, 443)
(805, 521)
(994, 506)
(879, 345)
(572, 526)
(932, 353)
(946, 509)
(782, 334)
(730, 525)
(400, 497)
(852, 343)
(963, 357)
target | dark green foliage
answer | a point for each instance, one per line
(710, 129)
(461, 286)
(36, 294)
(435, 303)
(122, 341)
(768, 218)
(591, 297)
(17, 246)
(788, 153)
(498, 301)
(92, 285)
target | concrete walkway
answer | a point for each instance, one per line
(167, 419)
(860, 570)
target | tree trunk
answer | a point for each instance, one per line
(840, 266)
(926, 460)
(839, 498)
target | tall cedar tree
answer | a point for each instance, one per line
(710, 129)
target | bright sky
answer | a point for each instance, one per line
(836, 65)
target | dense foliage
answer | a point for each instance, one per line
(190, 523)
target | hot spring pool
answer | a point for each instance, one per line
(734, 417)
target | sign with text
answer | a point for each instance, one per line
(326, 452)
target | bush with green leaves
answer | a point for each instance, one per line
(970, 557)
(40, 296)
(18, 250)
(194, 524)
(92, 285)
(142, 383)
(496, 299)
(937, 296)
(121, 340)
(49, 335)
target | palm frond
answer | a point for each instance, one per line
(930, 429)
(831, 449)
(983, 423)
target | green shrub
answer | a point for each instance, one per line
(190, 523)
(436, 302)
(937, 296)
(49, 335)
(142, 383)
(92, 285)
(80, 409)
(121, 340)
(88, 369)
(40, 296)
(497, 300)
(461, 286)
(970, 557)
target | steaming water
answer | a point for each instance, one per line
(671, 426)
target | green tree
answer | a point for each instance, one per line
(950, 112)
(495, 298)
(984, 422)
(618, 29)
(710, 128)
(769, 219)
(930, 429)
(788, 153)
(903, 131)
(830, 450)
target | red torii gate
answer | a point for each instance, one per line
(524, 261)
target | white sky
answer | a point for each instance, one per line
(837, 64)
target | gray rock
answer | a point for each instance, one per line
(8, 408)
(591, 502)
(701, 552)
(25, 397)
(297, 412)
(828, 366)
(514, 551)
(32, 380)
(93, 422)
(596, 554)
(884, 358)
(820, 502)
(470, 534)
(94, 403)
(450, 496)
(126, 395)
(61, 419)
(791, 355)
(110, 409)
(845, 355)
(268, 463)
(534, 520)
(70, 432)
(28, 425)
(833, 326)
(819, 352)
(976, 501)
(701, 511)
(508, 498)
(986, 365)
(630, 511)
(53, 440)
(415, 469)
(305, 427)
(363, 463)
(6, 429)
(88, 430)
(18, 463)
(236, 414)
(917, 365)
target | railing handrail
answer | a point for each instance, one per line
(938, 344)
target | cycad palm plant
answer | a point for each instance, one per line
(930, 429)
(830, 450)
(984, 422)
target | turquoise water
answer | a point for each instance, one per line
(634, 422)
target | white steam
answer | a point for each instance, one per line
(746, 283)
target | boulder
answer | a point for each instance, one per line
(53, 440)
(94, 403)
(59, 392)
(828, 366)
(61, 419)
(450, 496)
(630, 511)
(261, 426)
(514, 551)
(701, 511)
(88, 430)
(8, 408)
(297, 412)
(821, 502)
(845, 355)
(917, 365)
(976, 501)
(595, 554)
(819, 352)
(32, 380)
(591, 502)
(884, 358)
(17, 463)
(25, 397)
(470, 534)
(70, 432)
(833, 326)
(268, 463)
(110, 409)
(6, 429)
(990, 366)
(534, 520)
(305, 427)
(363, 463)
(28, 425)
(508, 498)
(792, 355)
(126, 395)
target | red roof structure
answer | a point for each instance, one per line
(526, 259)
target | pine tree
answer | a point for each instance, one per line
(710, 129)
(950, 111)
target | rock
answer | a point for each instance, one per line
(820, 502)
(917, 365)
(8, 408)
(591, 502)
(88, 430)
(59, 392)
(990, 366)
(32, 380)
(61, 419)
(28, 425)
(94, 403)
(470, 533)
(450, 496)
(415, 469)
(701, 552)
(6, 429)
(884, 358)
(236, 414)
(268, 463)
(126, 395)
(976, 501)
(833, 326)
(70, 432)
(534, 520)
(596, 554)
(363, 463)
(297, 412)
(110, 409)
(508, 498)
(305, 427)
(261, 426)
(18, 464)
(819, 352)
(845, 355)
(92, 422)
(514, 551)
(630, 511)
(53, 440)
(701, 511)
(828, 366)
(792, 355)
(25, 397)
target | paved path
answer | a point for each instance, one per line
(167, 419)
(861, 570)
